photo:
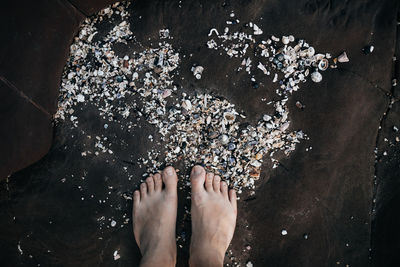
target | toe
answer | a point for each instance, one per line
(170, 179)
(217, 183)
(157, 182)
(136, 199)
(143, 190)
(232, 199)
(209, 182)
(197, 178)
(224, 189)
(150, 185)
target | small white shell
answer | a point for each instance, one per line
(267, 117)
(323, 64)
(197, 71)
(186, 104)
(274, 38)
(257, 30)
(212, 31)
(256, 163)
(316, 77)
(285, 40)
(319, 57)
(343, 58)
(224, 139)
(310, 51)
(371, 48)
(229, 117)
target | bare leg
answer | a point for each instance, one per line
(154, 219)
(213, 218)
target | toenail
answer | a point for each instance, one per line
(170, 170)
(197, 170)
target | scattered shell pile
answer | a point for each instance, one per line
(291, 61)
(199, 129)
(206, 130)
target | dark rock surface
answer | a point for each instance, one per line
(36, 36)
(90, 7)
(52, 209)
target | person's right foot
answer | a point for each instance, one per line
(213, 218)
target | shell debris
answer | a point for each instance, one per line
(291, 60)
(197, 71)
(200, 128)
(342, 58)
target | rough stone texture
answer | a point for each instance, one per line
(26, 131)
(36, 37)
(326, 192)
(385, 235)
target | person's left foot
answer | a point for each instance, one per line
(154, 218)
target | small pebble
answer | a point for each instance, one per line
(368, 49)
(299, 105)
(284, 232)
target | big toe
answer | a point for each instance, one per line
(197, 178)
(170, 179)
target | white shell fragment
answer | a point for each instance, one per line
(267, 117)
(257, 30)
(316, 77)
(213, 30)
(263, 68)
(80, 98)
(284, 232)
(342, 58)
(371, 48)
(186, 104)
(310, 51)
(224, 139)
(197, 71)
(116, 255)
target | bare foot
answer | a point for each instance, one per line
(213, 218)
(154, 219)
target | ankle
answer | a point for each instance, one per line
(206, 258)
(158, 260)
(160, 256)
